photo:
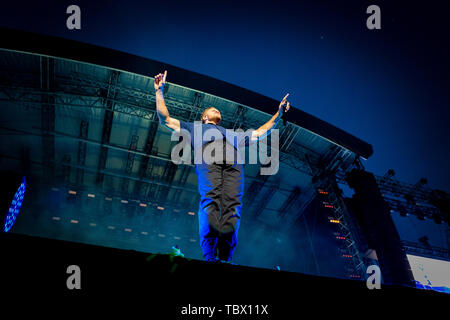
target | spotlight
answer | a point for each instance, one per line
(15, 206)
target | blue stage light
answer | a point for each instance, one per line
(15, 206)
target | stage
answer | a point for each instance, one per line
(36, 269)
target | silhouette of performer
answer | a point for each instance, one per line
(221, 185)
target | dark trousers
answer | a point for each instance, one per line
(221, 188)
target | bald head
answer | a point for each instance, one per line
(211, 115)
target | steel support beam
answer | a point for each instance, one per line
(66, 169)
(130, 161)
(47, 80)
(144, 162)
(81, 155)
(107, 94)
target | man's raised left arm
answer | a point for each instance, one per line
(266, 128)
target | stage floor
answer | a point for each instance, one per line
(37, 268)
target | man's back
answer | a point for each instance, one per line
(202, 135)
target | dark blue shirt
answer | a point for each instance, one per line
(236, 139)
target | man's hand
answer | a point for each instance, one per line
(282, 103)
(160, 81)
(269, 125)
(163, 114)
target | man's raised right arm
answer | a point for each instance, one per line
(163, 114)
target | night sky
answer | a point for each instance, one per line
(388, 87)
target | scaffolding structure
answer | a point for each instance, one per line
(352, 243)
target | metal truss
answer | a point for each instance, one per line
(81, 155)
(148, 150)
(79, 90)
(84, 91)
(112, 173)
(406, 198)
(414, 199)
(426, 251)
(47, 103)
(66, 169)
(325, 168)
(287, 136)
(197, 107)
(130, 161)
(239, 116)
(108, 94)
(185, 171)
(349, 230)
(325, 179)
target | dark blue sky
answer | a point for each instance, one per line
(388, 87)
